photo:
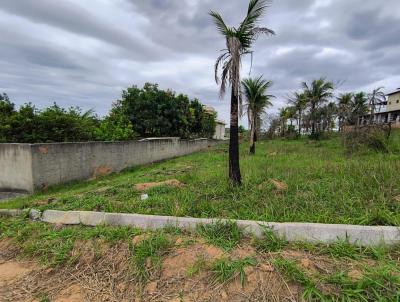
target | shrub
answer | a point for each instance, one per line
(371, 137)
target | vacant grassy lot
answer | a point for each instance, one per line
(323, 185)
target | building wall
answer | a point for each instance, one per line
(393, 102)
(16, 168)
(38, 166)
(219, 131)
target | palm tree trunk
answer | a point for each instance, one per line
(234, 168)
(299, 122)
(252, 136)
(312, 119)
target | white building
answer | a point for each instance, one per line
(219, 124)
(219, 130)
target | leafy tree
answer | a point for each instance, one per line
(238, 43)
(319, 92)
(116, 126)
(257, 100)
(156, 113)
(202, 123)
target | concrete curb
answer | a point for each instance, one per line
(293, 232)
(11, 212)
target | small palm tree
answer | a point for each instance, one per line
(257, 101)
(344, 108)
(299, 102)
(320, 91)
(284, 115)
(376, 98)
(238, 43)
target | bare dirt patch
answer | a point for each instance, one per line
(71, 294)
(12, 270)
(148, 185)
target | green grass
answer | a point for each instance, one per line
(53, 246)
(225, 269)
(225, 235)
(151, 248)
(324, 185)
(269, 242)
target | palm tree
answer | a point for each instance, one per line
(359, 106)
(257, 100)
(284, 115)
(238, 43)
(299, 102)
(329, 113)
(320, 91)
(376, 98)
(345, 101)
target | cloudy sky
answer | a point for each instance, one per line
(84, 53)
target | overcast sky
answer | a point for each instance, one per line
(84, 53)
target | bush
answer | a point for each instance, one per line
(370, 137)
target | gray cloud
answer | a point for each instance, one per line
(85, 52)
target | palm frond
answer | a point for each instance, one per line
(220, 23)
(218, 62)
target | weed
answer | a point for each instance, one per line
(269, 242)
(196, 267)
(225, 235)
(291, 271)
(225, 269)
(342, 248)
(151, 248)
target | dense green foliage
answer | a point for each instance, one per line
(53, 124)
(141, 112)
(154, 112)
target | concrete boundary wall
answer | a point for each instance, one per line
(29, 167)
(293, 232)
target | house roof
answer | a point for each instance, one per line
(209, 109)
(394, 92)
(220, 122)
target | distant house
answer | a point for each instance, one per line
(390, 112)
(219, 124)
(219, 129)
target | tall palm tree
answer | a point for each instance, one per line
(345, 101)
(320, 91)
(238, 43)
(256, 100)
(299, 102)
(376, 98)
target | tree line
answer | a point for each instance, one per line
(141, 112)
(315, 109)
